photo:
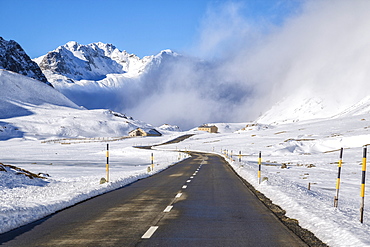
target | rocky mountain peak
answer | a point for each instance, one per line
(80, 62)
(94, 61)
(14, 58)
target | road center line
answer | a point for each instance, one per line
(167, 209)
(178, 195)
(188, 181)
(191, 177)
(150, 232)
(184, 187)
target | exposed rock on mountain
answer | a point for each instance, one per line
(14, 58)
(95, 61)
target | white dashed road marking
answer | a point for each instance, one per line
(168, 209)
(150, 232)
(152, 229)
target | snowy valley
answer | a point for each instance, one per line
(299, 138)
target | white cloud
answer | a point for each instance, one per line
(322, 48)
(325, 50)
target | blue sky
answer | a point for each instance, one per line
(142, 27)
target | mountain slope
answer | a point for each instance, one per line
(305, 105)
(14, 58)
(75, 62)
(18, 91)
(32, 109)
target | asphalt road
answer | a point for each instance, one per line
(198, 202)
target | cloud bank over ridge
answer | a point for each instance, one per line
(321, 49)
(245, 62)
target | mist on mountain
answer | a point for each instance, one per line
(301, 66)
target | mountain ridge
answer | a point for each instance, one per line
(75, 62)
(14, 58)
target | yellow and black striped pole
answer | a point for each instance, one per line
(338, 178)
(152, 162)
(259, 167)
(240, 156)
(107, 165)
(363, 185)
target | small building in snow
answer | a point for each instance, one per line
(208, 128)
(144, 132)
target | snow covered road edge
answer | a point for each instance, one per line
(310, 209)
(34, 202)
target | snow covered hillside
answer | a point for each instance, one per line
(305, 105)
(18, 92)
(32, 109)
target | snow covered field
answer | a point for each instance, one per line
(309, 149)
(75, 171)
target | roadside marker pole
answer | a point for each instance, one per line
(240, 156)
(336, 197)
(152, 161)
(107, 165)
(259, 167)
(363, 185)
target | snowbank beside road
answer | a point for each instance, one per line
(72, 179)
(310, 152)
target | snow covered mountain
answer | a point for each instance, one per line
(306, 105)
(14, 58)
(99, 76)
(75, 62)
